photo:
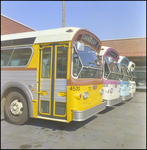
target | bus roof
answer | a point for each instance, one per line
(103, 50)
(123, 58)
(44, 36)
(131, 65)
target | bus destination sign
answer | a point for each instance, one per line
(90, 40)
(113, 54)
(125, 62)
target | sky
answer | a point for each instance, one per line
(106, 19)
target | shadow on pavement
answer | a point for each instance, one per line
(108, 108)
(54, 125)
(122, 103)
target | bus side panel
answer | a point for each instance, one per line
(25, 77)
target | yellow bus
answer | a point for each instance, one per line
(50, 74)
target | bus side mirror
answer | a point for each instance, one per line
(80, 46)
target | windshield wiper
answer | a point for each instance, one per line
(90, 63)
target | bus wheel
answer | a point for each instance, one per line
(16, 109)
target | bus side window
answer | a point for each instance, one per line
(20, 57)
(5, 56)
(61, 70)
(46, 61)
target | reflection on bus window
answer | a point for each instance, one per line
(111, 66)
(5, 56)
(97, 59)
(76, 64)
(133, 75)
(87, 57)
(20, 57)
(129, 74)
(46, 62)
(124, 68)
(84, 65)
(61, 62)
(125, 76)
(111, 69)
(88, 73)
(106, 73)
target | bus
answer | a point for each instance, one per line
(50, 74)
(131, 69)
(124, 78)
(110, 77)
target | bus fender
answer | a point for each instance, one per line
(24, 89)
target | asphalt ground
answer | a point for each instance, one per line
(122, 126)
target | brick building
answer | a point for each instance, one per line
(9, 26)
(133, 48)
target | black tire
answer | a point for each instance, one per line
(13, 114)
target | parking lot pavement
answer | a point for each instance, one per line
(119, 127)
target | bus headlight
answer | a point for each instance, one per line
(85, 95)
(102, 91)
(111, 90)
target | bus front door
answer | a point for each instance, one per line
(52, 85)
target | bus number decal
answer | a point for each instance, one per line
(75, 88)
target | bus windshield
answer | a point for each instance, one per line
(130, 76)
(111, 70)
(85, 65)
(125, 76)
(133, 75)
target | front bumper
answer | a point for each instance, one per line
(113, 101)
(124, 98)
(85, 114)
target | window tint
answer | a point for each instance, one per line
(61, 62)
(5, 56)
(46, 62)
(25, 41)
(20, 57)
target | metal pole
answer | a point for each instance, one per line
(63, 14)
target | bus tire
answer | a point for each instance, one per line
(16, 109)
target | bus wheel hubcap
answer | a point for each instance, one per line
(16, 107)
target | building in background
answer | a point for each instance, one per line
(10, 26)
(132, 48)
